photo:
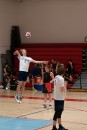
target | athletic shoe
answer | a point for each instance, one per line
(54, 128)
(17, 99)
(62, 128)
(44, 105)
(20, 102)
(50, 106)
(20, 99)
(6, 88)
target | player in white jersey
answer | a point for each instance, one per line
(59, 89)
(24, 63)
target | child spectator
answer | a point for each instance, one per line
(47, 88)
(59, 89)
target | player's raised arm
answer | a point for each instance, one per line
(52, 77)
(42, 62)
(17, 53)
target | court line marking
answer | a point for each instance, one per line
(77, 109)
(41, 98)
(32, 113)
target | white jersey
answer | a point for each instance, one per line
(58, 82)
(24, 63)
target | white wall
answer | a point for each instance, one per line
(53, 20)
(8, 17)
(49, 21)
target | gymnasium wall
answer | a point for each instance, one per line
(8, 17)
(53, 21)
(50, 21)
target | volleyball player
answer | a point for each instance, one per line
(24, 63)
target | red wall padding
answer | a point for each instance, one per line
(52, 45)
(60, 52)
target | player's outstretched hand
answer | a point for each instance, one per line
(16, 52)
(46, 62)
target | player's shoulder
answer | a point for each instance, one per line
(27, 58)
(58, 77)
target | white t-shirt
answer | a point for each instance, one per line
(58, 82)
(24, 63)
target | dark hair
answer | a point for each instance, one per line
(47, 66)
(6, 64)
(60, 71)
(70, 60)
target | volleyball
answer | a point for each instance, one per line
(28, 34)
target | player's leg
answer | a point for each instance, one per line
(59, 114)
(18, 91)
(22, 90)
(50, 100)
(55, 117)
(45, 100)
(23, 78)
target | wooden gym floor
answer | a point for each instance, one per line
(30, 115)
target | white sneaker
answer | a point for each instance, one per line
(50, 106)
(6, 88)
(20, 99)
(1, 86)
(17, 99)
(44, 105)
(20, 102)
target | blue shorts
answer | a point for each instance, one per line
(22, 76)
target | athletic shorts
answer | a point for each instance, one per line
(58, 105)
(22, 76)
(44, 90)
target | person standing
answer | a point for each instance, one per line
(24, 63)
(6, 76)
(47, 87)
(59, 89)
(70, 68)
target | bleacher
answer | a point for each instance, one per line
(60, 52)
